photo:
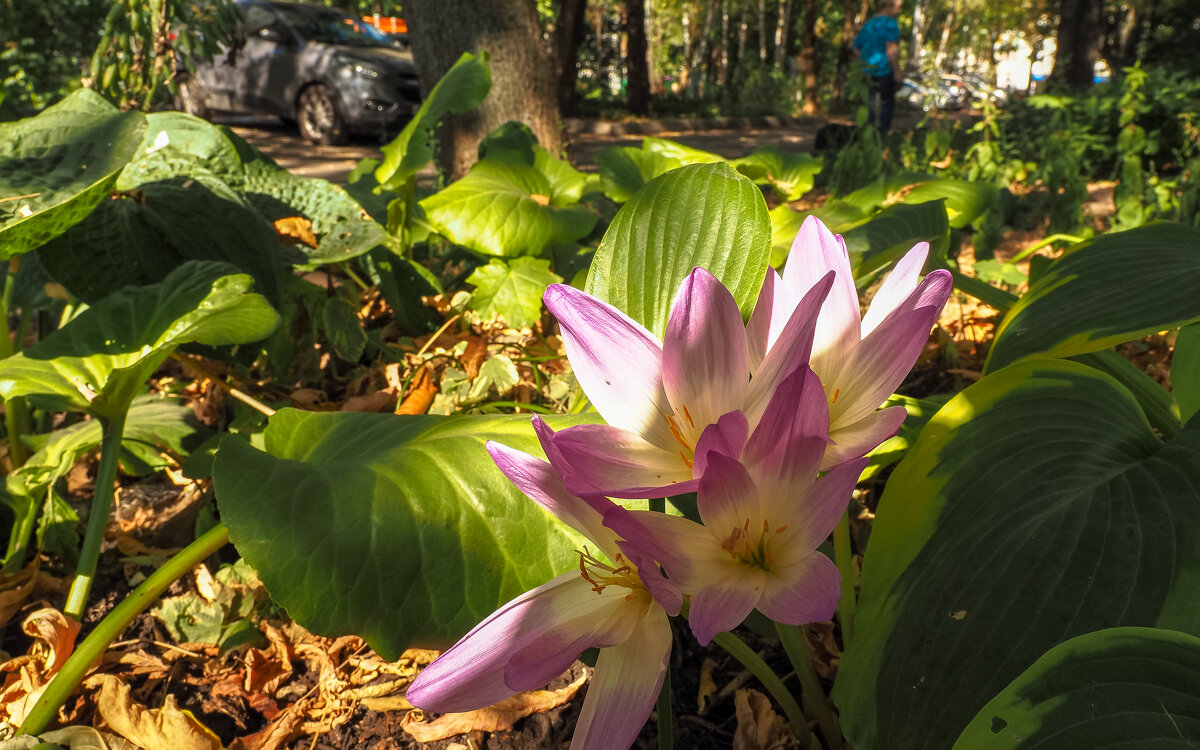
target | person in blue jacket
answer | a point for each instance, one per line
(878, 44)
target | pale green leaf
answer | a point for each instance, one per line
(512, 290)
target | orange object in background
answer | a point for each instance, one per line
(388, 24)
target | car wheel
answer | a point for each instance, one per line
(190, 98)
(317, 116)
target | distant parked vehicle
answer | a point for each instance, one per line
(330, 73)
(979, 90)
(925, 93)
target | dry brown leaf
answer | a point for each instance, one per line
(420, 394)
(497, 718)
(296, 230)
(277, 735)
(541, 200)
(55, 635)
(166, 727)
(15, 589)
(708, 687)
(27, 676)
(372, 402)
(473, 356)
(758, 726)
(307, 398)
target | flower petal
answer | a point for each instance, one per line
(678, 544)
(616, 360)
(860, 437)
(706, 365)
(624, 687)
(818, 251)
(792, 436)
(542, 484)
(899, 284)
(802, 592)
(727, 436)
(789, 352)
(878, 365)
(814, 515)
(758, 329)
(471, 674)
(604, 460)
(727, 495)
(722, 606)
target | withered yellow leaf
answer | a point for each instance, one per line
(497, 718)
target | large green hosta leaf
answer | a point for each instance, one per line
(56, 167)
(699, 215)
(142, 236)
(1036, 506)
(506, 208)
(100, 360)
(460, 90)
(624, 170)
(790, 174)
(400, 529)
(1105, 291)
(1115, 688)
(883, 238)
(176, 144)
(965, 201)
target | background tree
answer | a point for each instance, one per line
(523, 79)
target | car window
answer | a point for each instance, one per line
(332, 27)
(256, 18)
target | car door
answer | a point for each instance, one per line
(267, 66)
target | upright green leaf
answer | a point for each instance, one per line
(1108, 290)
(682, 153)
(883, 238)
(1115, 688)
(513, 290)
(460, 90)
(699, 215)
(399, 529)
(624, 170)
(1036, 506)
(58, 166)
(503, 207)
(1185, 371)
(965, 201)
(101, 359)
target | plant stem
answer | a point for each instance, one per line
(102, 497)
(14, 409)
(843, 557)
(813, 697)
(666, 715)
(738, 649)
(114, 623)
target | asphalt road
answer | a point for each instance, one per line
(284, 145)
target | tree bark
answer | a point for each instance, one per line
(723, 78)
(851, 20)
(948, 27)
(781, 34)
(1078, 42)
(523, 81)
(918, 35)
(809, 61)
(637, 87)
(568, 33)
(762, 32)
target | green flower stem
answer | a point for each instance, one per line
(813, 697)
(666, 715)
(14, 409)
(738, 649)
(843, 557)
(102, 497)
(114, 623)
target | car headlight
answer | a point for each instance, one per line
(366, 70)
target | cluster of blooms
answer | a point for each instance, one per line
(767, 421)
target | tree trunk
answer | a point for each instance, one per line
(851, 20)
(568, 33)
(523, 82)
(705, 55)
(762, 32)
(809, 61)
(918, 36)
(723, 78)
(781, 34)
(947, 29)
(1078, 42)
(638, 82)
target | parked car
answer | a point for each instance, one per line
(978, 89)
(327, 71)
(926, 94)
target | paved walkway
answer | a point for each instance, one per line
(729, 137)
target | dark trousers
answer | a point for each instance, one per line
(883, 101)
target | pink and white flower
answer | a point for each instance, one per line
(668, 403)
(861, 359)
(536, 637)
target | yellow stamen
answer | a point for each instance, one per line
(836, 391)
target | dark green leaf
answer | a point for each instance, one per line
(1108, 290)
(343, 329)
(513, 290)
(56, 167)
(1037, 505)
(100, 360)
(1115, 688)
(399, 529)
(699, 215)
(889, 234)
(1185, 371)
